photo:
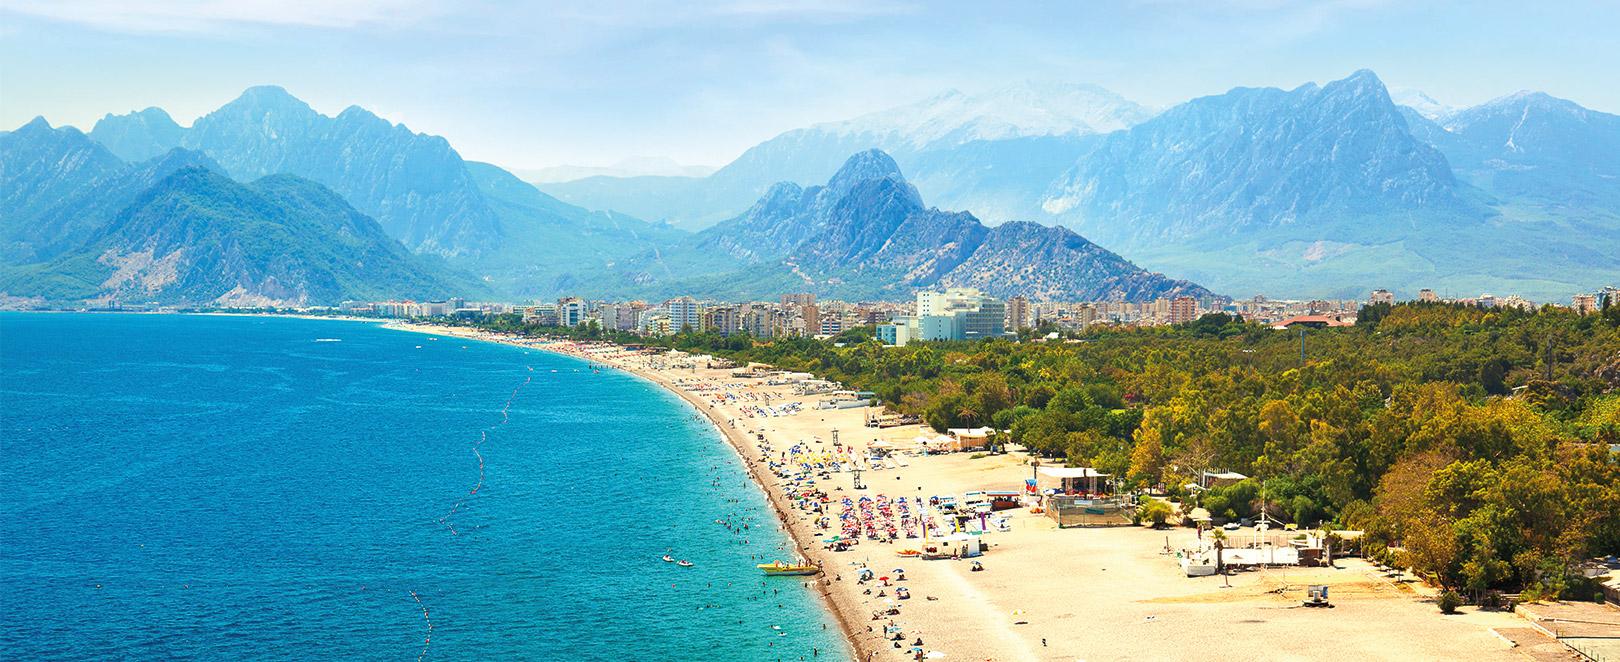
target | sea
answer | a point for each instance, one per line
(230, 488)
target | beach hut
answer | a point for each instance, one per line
(1005, 499)
(1074, 480)
(971, 439)
(1220, 478)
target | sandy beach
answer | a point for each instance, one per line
(1096, 593)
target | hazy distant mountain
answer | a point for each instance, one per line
(522, 242)
(1534, 147)
(1333, 190)
(81, 224)
(633, 167)
(138, 136)
(1421, 103)
(958, 147)
(1257, 161)
(1019, 111)
(1323, 190)
(39, 167)
(413, 184)
(866, 234)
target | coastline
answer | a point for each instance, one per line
(1052, 595)
(803, 539)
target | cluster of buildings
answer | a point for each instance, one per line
(958, 313)
(951, 314)
(792, 315)
(453, 307)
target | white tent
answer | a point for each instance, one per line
(1072, 472)
(1076, 478)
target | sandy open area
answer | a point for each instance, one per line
(1099, 593)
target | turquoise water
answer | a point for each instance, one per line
(230, 488)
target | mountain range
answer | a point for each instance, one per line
(82, 224)
(866, 234)
(478, 217)
(991, 152)
(108, 214)
(1322, 190)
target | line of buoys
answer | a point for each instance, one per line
(483, 436)
(427, 639)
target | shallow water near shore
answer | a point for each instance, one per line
(235, 487)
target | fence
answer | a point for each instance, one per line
(1070, 511)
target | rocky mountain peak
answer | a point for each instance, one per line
(138, 135)
(37, 124)
(180, 157)
(1362, 88)
(868, 234)
(269, 97)
(870, 164)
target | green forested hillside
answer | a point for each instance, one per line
(198, 238)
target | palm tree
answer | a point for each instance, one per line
(966, 413)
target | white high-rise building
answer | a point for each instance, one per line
(684, 313)
(958, 313)
(571, 312)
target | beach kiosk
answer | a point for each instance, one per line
(953, 546)
(1081, 496)
(1073, 480)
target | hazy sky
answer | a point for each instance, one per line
(526, 85)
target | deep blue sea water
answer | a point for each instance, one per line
(230, 488)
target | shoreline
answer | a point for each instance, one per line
(1051, 595)
(805, 547)
(803, 541)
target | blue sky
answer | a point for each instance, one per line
(530, 85)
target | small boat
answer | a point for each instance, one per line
(780, 569)
(684, 563)
(669, 559)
